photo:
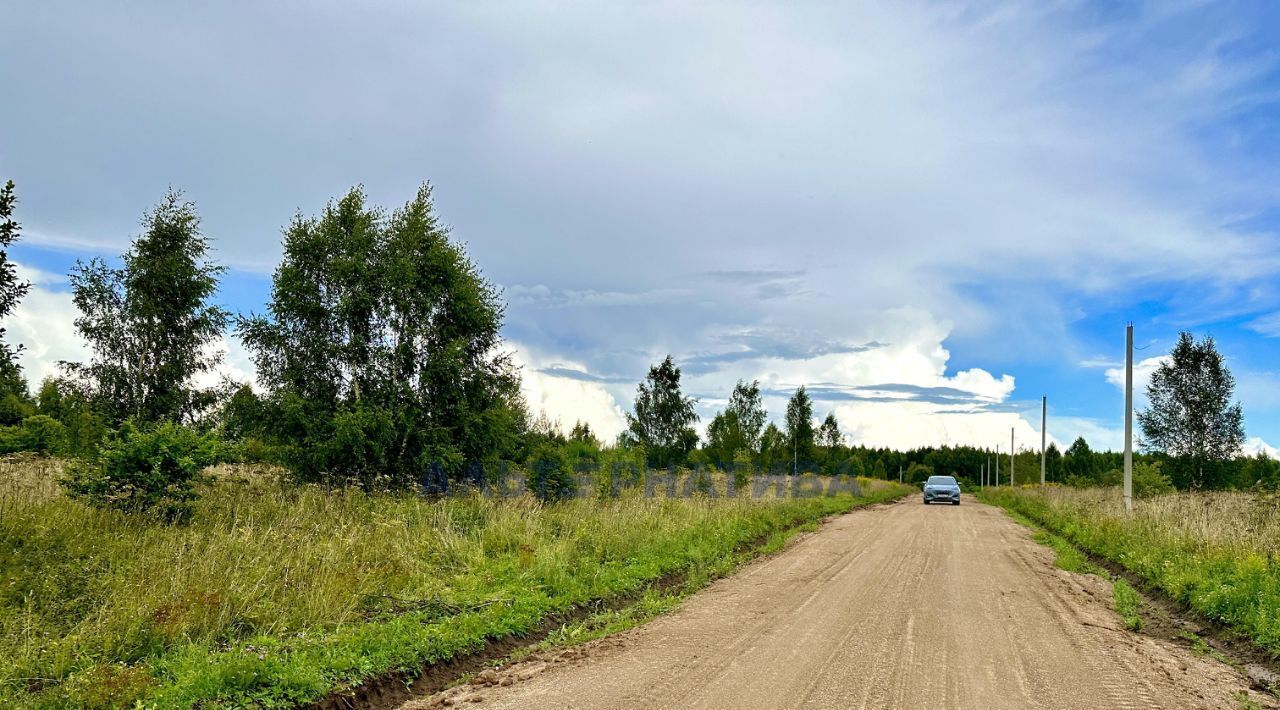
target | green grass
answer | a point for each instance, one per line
(1215, 553)
(1247, 703)
(1128, 604)
(275, 595)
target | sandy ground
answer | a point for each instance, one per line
(899, 606)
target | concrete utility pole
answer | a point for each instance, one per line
(1044, 419)
(982, 475)
(1128, 418)
(899, 473)
(1011, 450)
(997, 465)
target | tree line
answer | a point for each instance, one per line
(381, 364)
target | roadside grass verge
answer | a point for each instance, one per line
(275, 595)
(1128, 604)
(1213, 553)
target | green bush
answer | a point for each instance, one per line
(43, 434)
(549, 477)
(918, 473)
(139, 470)
(1148, 479)
(13, 409)
(254, 450)
(40, 434)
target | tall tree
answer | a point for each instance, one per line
(1191, 418)
(1078, 462)
(775, 454)
(150, 324)
(737, 429)
(663, 417)
(800, 434)
(1053, 463)
(12, 289)
(381, 348)
(747, 408)
(829, 435)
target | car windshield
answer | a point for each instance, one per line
(941, 481)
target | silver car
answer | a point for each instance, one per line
(941, 489)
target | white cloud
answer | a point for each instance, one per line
(38, 277)
(1142, 372)
(234, 365)
(1256, 445)
(897, 393)
(565, 399)
(43, 323)
(545, 297)
(1268, 325)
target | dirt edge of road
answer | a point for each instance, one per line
(1167, 619)
(392, 690)
(1164, 618)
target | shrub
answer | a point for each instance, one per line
(549, 477)
(140, 470)
(918, 473)
(43, 434)
(254, 450)
(40, 434)
(1149, 480)
(13, 410)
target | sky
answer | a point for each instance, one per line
(929, 214)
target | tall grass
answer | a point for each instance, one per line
(275, 594)
(1215, 552)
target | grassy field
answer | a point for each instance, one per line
(275, 594)
(1217, 553)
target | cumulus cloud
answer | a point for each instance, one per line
(1142, 371)
(1256, 445)
(550, 387)
(43, 324)
(897, 392)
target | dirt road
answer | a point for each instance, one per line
(901, 606)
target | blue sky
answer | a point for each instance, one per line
(931, 213)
